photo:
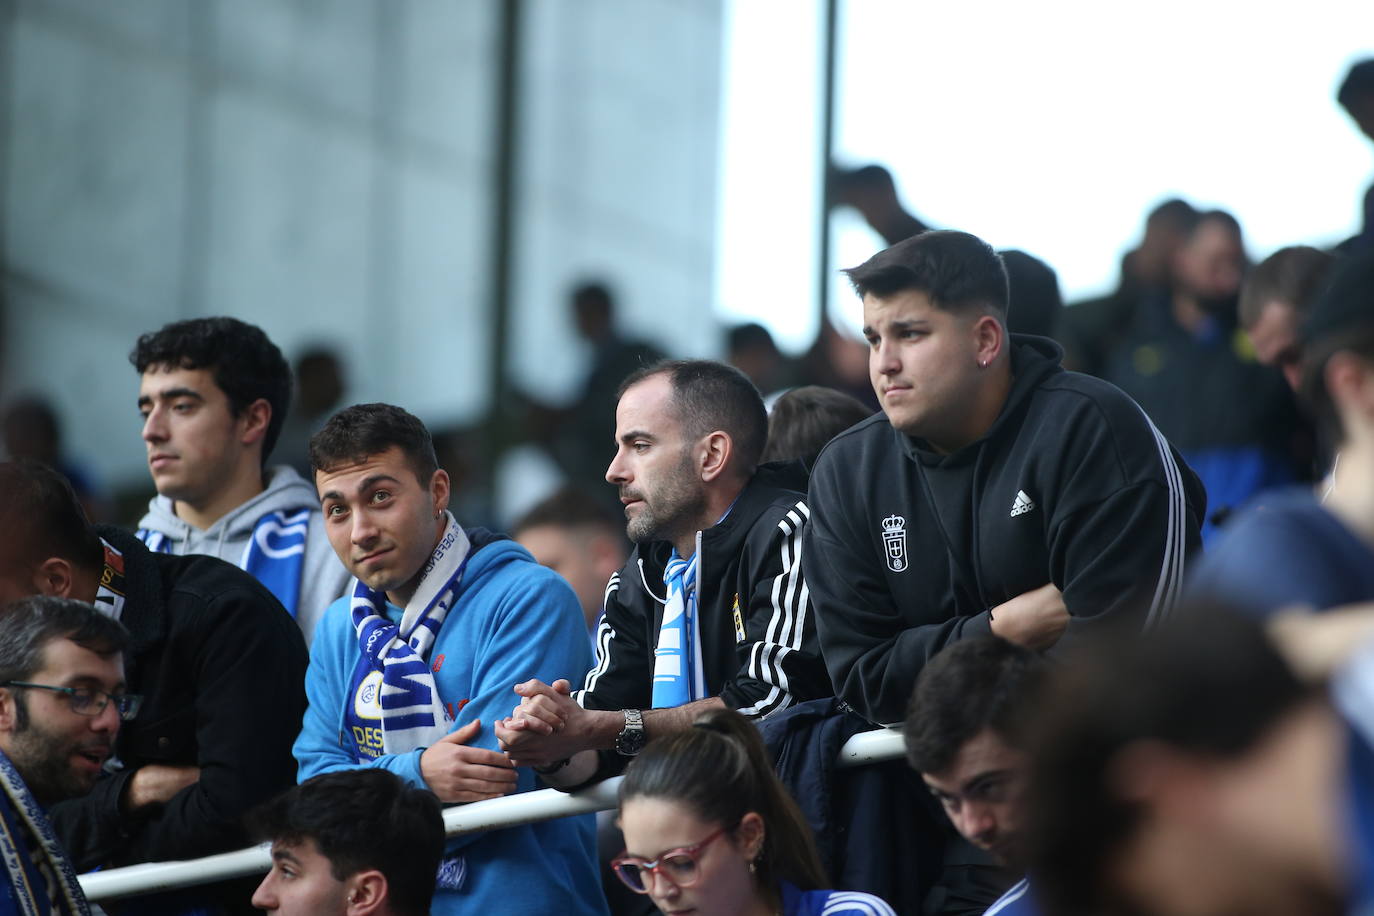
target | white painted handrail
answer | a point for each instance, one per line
(525, 808)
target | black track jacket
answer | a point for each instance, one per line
(758, 636)
(908, 549)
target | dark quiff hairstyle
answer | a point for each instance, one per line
(1207, 682)
(720, 771)
(1292, 276)
(957, 271)
(40, 517)
(804, 419)
(28, 625)
(362, 820)
(710, 396)
(243, 361)
(356, 433)
(979, 683)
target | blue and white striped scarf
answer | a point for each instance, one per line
(678, 674)
(413, 715)
(40, 876)
(275, 554)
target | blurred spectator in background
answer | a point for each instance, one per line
(575, 536)
(871, 190)
(1190, 773)
(1275, 299)
(751, 350)
(1356, 96)
(320, 385)
(1184, 359)
(586, 436)
(1294, 550)
(804, 419)
(1088, 330)
(839, 361)
(1034, 302)
(33, 433)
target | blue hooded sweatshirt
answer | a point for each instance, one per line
(511, 620)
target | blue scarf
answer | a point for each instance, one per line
(275, 554)
(41, 878)
(392, 682)
(394, 657)
(677, 656)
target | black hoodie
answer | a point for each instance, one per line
(908, 549)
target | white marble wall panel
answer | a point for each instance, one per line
(94, 183)
(289, 229)
(317, 51)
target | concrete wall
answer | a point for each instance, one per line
(325, 170)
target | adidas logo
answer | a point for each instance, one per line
(1022, 504)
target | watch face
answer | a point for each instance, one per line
(630, 741)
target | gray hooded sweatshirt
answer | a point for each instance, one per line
(323, 577)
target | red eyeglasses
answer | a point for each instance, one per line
(677, 865)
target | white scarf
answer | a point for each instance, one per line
(412, 713)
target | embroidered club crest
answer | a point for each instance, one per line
(894, 540)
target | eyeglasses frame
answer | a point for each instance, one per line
(120, 701)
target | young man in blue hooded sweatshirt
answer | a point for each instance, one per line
(411, 667)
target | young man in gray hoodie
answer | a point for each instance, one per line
(213, 396)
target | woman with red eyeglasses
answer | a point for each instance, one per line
(709, 830)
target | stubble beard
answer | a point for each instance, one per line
(678, 503)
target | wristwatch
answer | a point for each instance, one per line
(630, 741)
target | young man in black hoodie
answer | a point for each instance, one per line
(711, 609)
(993, 474)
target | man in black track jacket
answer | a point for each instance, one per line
(689, 435)
(996, 483)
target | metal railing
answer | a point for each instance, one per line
(511, 811)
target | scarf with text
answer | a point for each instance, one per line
(412, 714)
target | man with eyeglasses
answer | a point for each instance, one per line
(218, 660)
(62, 699)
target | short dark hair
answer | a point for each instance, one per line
(1207, 682)
(1176, 212)
(356, 433)
(29, 624)
(709, 396)
(1358, 81)
(804, 419)
(360, 820)
(955, 270)
(983, 682)
(1340, 320)
(1290, 275)
(41, 517)
(569, 507)
(1215, 216)
(243, 361)
(720, 771)
(1033, 298)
